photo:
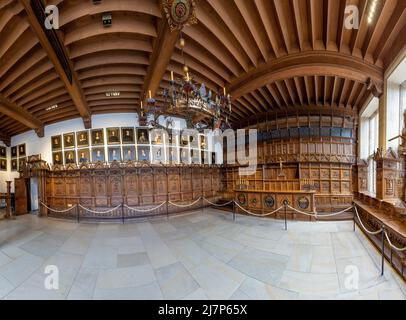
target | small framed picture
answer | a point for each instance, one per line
(57, 158)
(194, 154)
(113, 136)
(69, 140)
(184, 141)
(21, 150)
(82, 139)
(128, 135)
(3, 152)
(184, 155)
(213, 158)
(203, 143)
(22, 163)
(84, 155)
(14, 152)
(143, 154)
(98, 137)
(173, 155)
(56, 143)
(98, 155)
(204, 157)
(157, 137)
(158, 154)
(114, 154)
(128, 153)
(14, 165)
(143, 136)
(3, 165)
(70, 157)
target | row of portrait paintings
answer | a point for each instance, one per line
(18, 151)
(155, 154)
(15, 164)
(116, 136)
(3, 158)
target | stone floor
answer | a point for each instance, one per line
(201, 255)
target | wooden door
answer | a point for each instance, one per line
(21, 198)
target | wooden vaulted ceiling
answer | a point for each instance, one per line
(272, 55)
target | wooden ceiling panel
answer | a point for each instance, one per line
(270, 54)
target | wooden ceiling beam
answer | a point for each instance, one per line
(222, 8)
(17, 113)
(247, 10)
(306, 64)
(160, 58)
(73, 87)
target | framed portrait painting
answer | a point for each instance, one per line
(98, 155)
(70, 157)
(3, 152)
(114, 154)
(128, 136)
(56, 143)
(84, 155)
(143, 136)
(69, 140)
(128, 154)
(3, 165)
(21, 150)
(14, 152)
(98, 137)
(14, 165)
(113, 136)
(82, 139)
(57, 158)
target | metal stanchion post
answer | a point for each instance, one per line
(233, 210)
(383, 250)
(167, 207)
(122, 212)
(285, 204)
(202, 204)
(77, 213)
(353, 219)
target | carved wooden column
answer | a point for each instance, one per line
(387, 172)
(360, 178)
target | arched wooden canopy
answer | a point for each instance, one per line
(271, 55)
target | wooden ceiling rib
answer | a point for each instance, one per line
(272, 55)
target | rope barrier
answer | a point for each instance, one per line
(58, 211)
(218, 205)
(185, 206)
(259, 215)
(320, 215)
(100, 212)
(145, 210)
(366, 230)
(392, 245)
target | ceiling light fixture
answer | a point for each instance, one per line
(372, 11)
(112, 94)
(52, 107)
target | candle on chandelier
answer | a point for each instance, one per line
(224, 91)
(187, 76)
(171, 75)
(142, 106)
(150, 94)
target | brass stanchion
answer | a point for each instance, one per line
(383, 250)
(122, 212)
